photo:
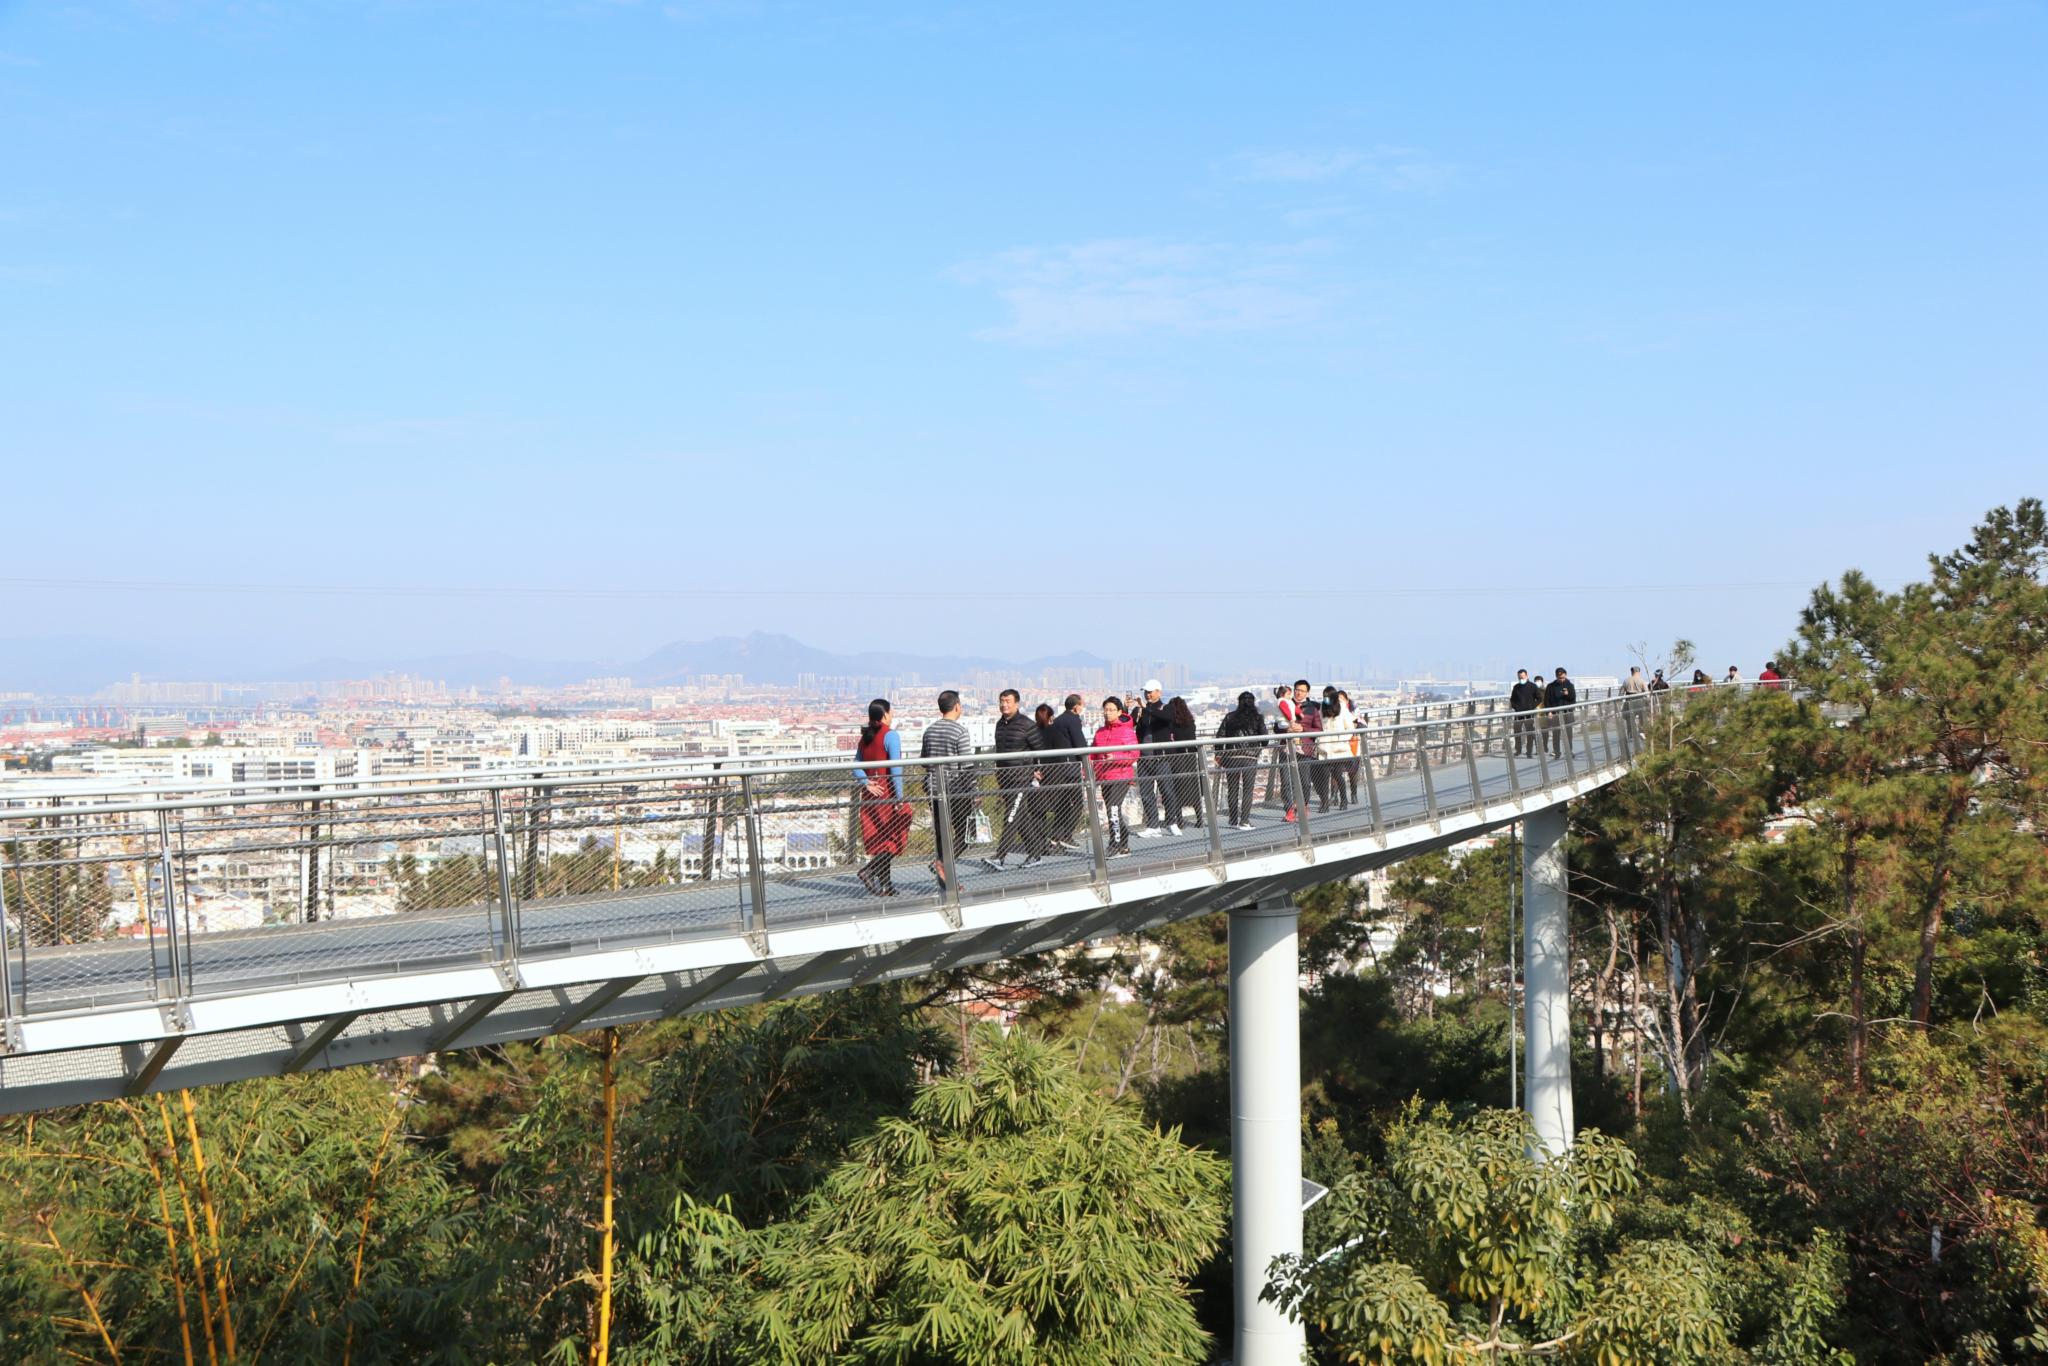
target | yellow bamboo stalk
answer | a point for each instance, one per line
(92, 1306)
(348, 1342)
(163, 1197)
(191, 1233)
(603, 1355)
(284, 1300)
(220, 1266)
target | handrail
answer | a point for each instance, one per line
(516, 778)
(722, 764)
(745, 831)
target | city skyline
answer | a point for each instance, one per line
(792, 662)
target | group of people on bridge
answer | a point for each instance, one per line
(1043, 798)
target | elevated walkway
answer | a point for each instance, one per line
(205, 937)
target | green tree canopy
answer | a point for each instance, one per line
(1013, 1216)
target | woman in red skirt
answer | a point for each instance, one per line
(878, 787)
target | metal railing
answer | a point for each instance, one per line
(189, 895)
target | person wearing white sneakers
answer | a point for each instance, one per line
(1154, 780)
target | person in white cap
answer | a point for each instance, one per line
(1154, 770)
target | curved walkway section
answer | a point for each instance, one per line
(204, 938)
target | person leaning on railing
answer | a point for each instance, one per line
(1246, 725)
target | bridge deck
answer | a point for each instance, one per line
(97, 1020)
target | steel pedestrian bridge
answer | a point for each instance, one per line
(197, 937)
(207, 936)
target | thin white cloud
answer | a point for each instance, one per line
(1295, 166)
(1388, 168)
(1126, 286)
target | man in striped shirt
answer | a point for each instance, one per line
(943, 739)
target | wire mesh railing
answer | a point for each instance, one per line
(193, 895)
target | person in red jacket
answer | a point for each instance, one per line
(1115, 767)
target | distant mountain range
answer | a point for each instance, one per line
(76, 665)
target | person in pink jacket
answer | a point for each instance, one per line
(1115, 768)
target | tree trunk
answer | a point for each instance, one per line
(1931, 912)
(1635, 1014)
(1602, 979)
(1859, 952)
(1679, 1006)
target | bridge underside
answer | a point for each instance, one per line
(279, 1027)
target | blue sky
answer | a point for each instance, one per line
(1230, 330)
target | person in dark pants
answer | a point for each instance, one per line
(1018, 781)
(1240, 762)
(1116, 764)
(1064, 776)
(1559, 695)
(1311, 758)
(950, 786)
(1155, 771)
(1049, 832)
(1183, 792)
(1524, 700)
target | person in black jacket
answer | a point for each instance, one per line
(1155, 771)
(1183, 791)
(1063, 778)
(1523, 700)
(1018, 780)
(1241, 761)
(1557, 725)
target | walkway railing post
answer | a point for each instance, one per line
(1428, 786)
(170, 877)
(1265, 1124)
(1472, 769)
(757, 873)
(1302, 834)
(1211, 761)
(1098, 846)
(949, 893)
(508, 918)
(1372, 787)
(7, 969)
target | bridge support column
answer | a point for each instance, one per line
(1265, 1123)
(1546, 959)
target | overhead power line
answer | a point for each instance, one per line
(686, 593)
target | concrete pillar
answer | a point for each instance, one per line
(1546, 977)
(1265, 1123)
